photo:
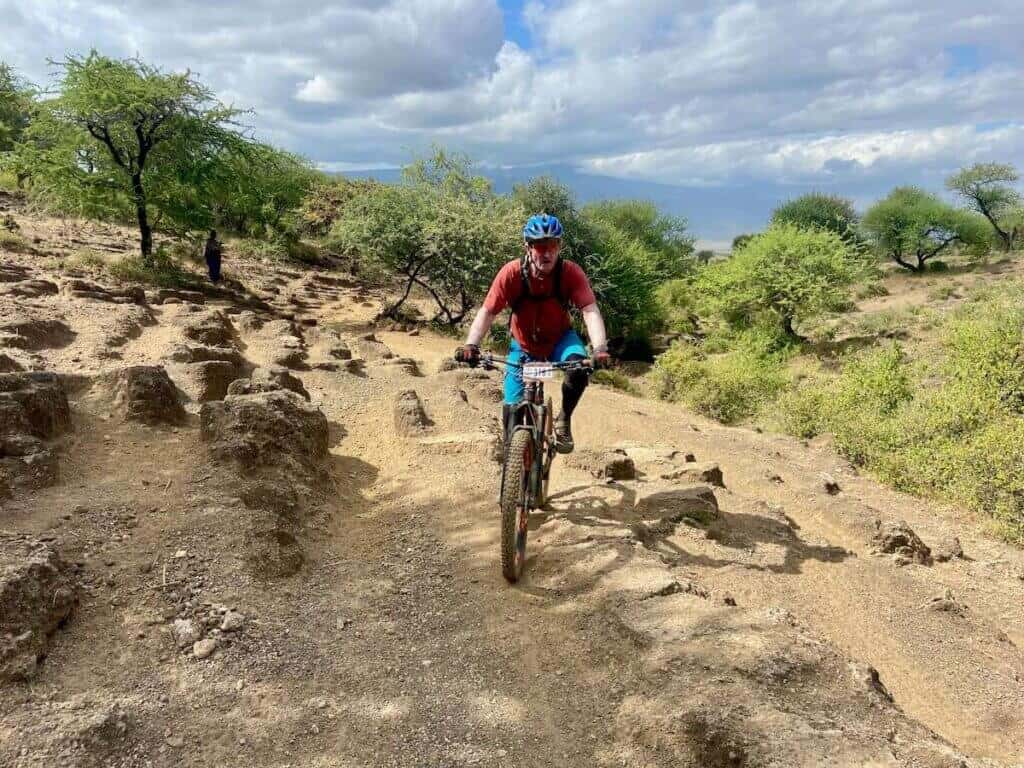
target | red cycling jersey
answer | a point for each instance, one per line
(540, 321)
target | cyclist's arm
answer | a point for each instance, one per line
(481, 325)
(595, 325)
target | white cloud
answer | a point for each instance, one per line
(718, 93)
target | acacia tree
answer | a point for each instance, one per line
(912, 226)
(15, 107)
(123, 134)
(986, 189)
(443, 230)
(782, 275)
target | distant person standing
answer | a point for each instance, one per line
(212, 254)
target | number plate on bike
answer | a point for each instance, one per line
(538, 372)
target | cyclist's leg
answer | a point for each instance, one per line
(569, 347)
(513, 387)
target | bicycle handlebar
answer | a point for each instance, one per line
(488, 360)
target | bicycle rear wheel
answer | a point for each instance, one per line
(514, 510)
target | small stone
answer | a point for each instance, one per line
(204, 648)
(239, 685)
(185, 633)
(175, 741)
(233, 621)
(181, 554)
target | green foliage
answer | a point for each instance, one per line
(781, 276)
(729, 387)
(160, 270)
(741, 240)
(326, 201)
(443, 230)
(12, 241)
(817, 210)
(616, 380)
(949, 427)
(15, 108)
(667, 246)
(261, 250)
(677, 306)
(986, 188)
(253, 191)
(123, 138)
(911, 226)
(872, 290)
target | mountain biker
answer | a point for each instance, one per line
(540, 287)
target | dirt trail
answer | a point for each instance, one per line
(635, 638)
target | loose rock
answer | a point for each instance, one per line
(204, 648)
(145, 393)
(899, 539)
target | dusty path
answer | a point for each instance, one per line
(746, 640)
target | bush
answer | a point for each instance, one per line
(160, 270)
(911, 226)
(741, 240)
(668, 248)
(952, 429)
(728, 387)
(817, 210)
(443, 230)
(782, 276)
(12, 241)
(616, 380)
(326, 202)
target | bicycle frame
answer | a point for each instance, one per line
(533, 413)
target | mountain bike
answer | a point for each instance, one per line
(529, 451)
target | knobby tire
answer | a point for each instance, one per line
(514, 511)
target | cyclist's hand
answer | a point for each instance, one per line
(602, 358)
(468, 354)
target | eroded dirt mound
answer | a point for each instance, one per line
(268, 380)
(265, 429)
(37, 593)
(33, 408)
(146, 393)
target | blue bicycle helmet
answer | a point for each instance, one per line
(541, 226)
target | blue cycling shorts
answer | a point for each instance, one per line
(570, 344)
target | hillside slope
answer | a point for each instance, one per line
(263, 580)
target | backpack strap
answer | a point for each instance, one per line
(526, 295)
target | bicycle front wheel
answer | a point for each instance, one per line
(514, 508)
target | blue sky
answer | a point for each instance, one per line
(716, 110)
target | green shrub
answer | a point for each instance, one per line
(780, 277)
(802, 411)
(160, 270)
(13, 242)
(87, 259)
(728, 387)
(261, 249)
(872, 290)
(667, 246)
(616, 380)
(740, 240)
(820, 211)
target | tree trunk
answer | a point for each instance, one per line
(145, 231)
(787, 326)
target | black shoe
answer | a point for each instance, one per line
(563, 435)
